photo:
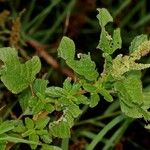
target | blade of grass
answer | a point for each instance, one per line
(37, 21)
(29, 12)
(102, 133)
(91, 120)
(114, 106)
(121, 7)
(58, 21)
(143, 21)
(130, 15)
(117, 135)
(87, 134)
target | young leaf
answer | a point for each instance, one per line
(19, 127)
(137, 41)
(34, 137)
(94, 99)
(67, 84)
(104, 17)
(39, 106)
(41, 123)
(16, 76)
(54, 92)
(75, 88)
(74, 110)
(50, 108)
(29, 123)
(39, 86)
(60, 129)
(24, 99)
(89, 88)
(107, 43)
(81, 99)
(106, 94)
(68, 116)
(66, 49)
(46, 138)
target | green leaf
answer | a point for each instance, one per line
(54, 92)
(60, 129)
(130, 110)
(131, 89)
(46, 138)
(16, 76)
(39, 86)
(29, 123)
(67, 84)
(80, 67)
(41, 132)
(106, 94)
(94, 99)
(6, 126)
(41, 123)
(50, 147)
(64, 101)
(24, 99)
(19, 127)
(34, 137)
(39, 106)
(75, 88)
(147, 126)
(81, 99)
(69, 117)
(66, 49)
(28, 132)
(89, 88)
(74, 110)
(104, 17)
(107, 43)
(50, 108)
(137, 41)
(131, 97)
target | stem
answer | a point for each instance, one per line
(65, 143)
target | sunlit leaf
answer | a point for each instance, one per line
(16, 76)
(66, 49)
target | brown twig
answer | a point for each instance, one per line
(49, 59)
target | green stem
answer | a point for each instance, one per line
(64, 144)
